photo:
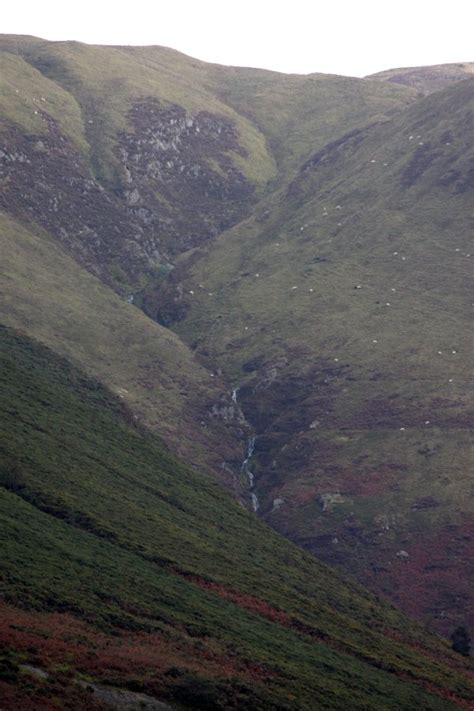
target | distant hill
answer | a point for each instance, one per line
(427, 79)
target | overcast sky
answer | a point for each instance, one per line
(352, 37)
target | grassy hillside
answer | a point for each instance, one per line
(299, 114)
(341, 310)
(307, 238)
(106, 81)
(179, 162)
(121, 565)
(46, 294)
(25, 92)
(184, 147)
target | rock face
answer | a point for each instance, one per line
(180, 181)
(45, 180)
(180, 187)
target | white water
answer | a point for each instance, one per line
(245, 468)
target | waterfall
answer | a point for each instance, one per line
(245, 468)
(249, 473)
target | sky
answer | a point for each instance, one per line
(350, 37)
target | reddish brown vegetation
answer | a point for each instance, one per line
(248, 602)
(55, 639)
(424, 580)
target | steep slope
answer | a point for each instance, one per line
(182, 148)
(130, 569)
(178, 164)
(341, 311)
(46, 294)
(298, 114)
(332, 314)
(128, 157)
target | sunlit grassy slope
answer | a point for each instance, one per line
(342, 310)
(100, 523)
(24, 91)
(105, 81)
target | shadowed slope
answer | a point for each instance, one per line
(102, 525)
(46, 294)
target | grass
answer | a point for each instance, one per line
(300, 114)
(340, 357)
(124, 529)
(25, 93)
(354, 426)
(105, 81)
(45, 293)
(427, 79)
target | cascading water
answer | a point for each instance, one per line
(245, 468)
(245, 463)
(248, 472)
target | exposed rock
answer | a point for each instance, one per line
(55, 188)
(181, 181)
(328, 501)
(277, 503)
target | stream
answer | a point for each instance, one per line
(245, 468)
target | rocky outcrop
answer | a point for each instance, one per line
(179, 178)
(179, 187)
(45, 180)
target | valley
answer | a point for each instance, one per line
(236, 365)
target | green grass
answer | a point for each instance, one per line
(300, 114)
(25, 93)
(97, 516)
(373, 389)
(105, 81)
(45, 293)
(256, 328)
(427, 79)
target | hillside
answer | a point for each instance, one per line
(46, 294)
(224, 276)
(341, 312)
(121, 565)
(128, 158)
(180, 153)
